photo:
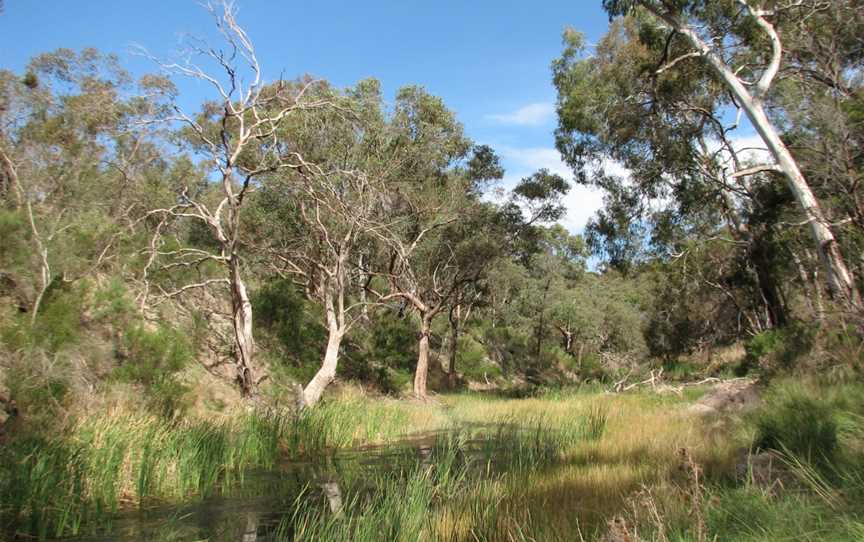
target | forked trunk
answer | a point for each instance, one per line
(840, 280)
(421, 373)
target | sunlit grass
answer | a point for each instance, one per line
(553, 467)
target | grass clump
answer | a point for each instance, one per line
(436, 500)
(50, 487)
(795, 422)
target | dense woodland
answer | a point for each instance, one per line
(288, 234)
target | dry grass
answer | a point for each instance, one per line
(640, 448)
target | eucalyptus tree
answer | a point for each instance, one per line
(237, 138)
(740, 44)
(427, 251)
(670, 128)
(314, 221)
(75, 170)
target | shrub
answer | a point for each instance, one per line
(591, 368)
(153, 358)
(151, 355)
(776, 349)
(795, 422)
(291, 321)
(392, 381)
(57, 325)
(473, 362)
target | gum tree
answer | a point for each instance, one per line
(237, 138)
(740, 42)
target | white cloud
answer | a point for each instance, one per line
(530, 115)
(750, 149)
(581, 202)
(533, 158)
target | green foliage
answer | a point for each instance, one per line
(14, 251)
(293, 324)
(152, 355)
(472, 361)
(794, 421)
(591, 368)
(50, 488)
(680, 369)
(57, 326)
(392, 381)
(153, 358)
(39, 383)
(112, 303)
(384, 353)
(777, 349)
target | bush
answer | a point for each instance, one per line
(39, 385)
(795, 422)
(593, 369)
(152, 355)
(291, 322)
(153, 358)
(57, 325)
(473, 362)
(776, 350)
(392, 381)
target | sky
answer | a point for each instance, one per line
(489, 60)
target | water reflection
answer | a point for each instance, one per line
(251, 532)
(252, 511)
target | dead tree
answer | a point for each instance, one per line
(239, 136)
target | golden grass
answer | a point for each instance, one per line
(640, 448)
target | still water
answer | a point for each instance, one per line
(259, 508)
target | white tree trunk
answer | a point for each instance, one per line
(839, 278)
(243, 339)
(327, 372)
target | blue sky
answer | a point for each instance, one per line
(489, 60)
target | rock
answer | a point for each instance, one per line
(732, 395)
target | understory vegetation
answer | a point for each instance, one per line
(333, 304)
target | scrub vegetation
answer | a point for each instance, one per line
(322, 305)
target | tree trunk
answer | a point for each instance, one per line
(421, 372)
(540, 323)
(10, 183)
(568, 342)
(327, 372)
(363, 279)
(243, 340)
(839, 279)
(768, 287)
(455, 314)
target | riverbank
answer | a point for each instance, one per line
(555, 466)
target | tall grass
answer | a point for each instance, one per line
(49, 487)
(52, 485)
(436, 500)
